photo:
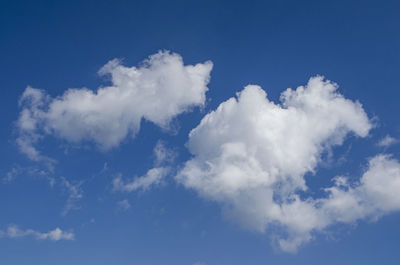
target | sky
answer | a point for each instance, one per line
(199, 132)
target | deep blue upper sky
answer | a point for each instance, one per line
(56, 45)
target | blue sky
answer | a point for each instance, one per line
(167, 156)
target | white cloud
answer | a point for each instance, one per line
(387, 141)
(158, 90)
(251, 155)
(124, 205)
(153, 177)
(72, 189)
(11, 175)
(163, 156)
(374, 195)
(75, 194)
(57, 234)
(32, 171)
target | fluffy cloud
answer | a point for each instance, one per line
(372, 196)
(251, 155)
(375, 194)
(57, 234)
(158, 90)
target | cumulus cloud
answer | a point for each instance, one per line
(387, 141)
(251, 155)
(372, 196)
(57, 234)
(158, 90)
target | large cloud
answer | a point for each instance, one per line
(251, 156)
(160, 89)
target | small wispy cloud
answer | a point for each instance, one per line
(11, 175)
(153, 177)
(35, 172)
(124, 205)
(57, 234)
(75, 193)
(387, 141)
(163, 157)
